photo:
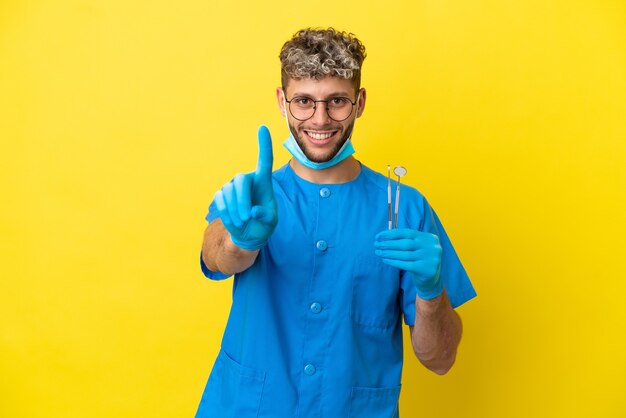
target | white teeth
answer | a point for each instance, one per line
(319, 136)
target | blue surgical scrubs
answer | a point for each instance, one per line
(315, 327)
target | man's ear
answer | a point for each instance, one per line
(361, 108)
(280, 97)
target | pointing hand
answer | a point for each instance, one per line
(416, 252)
(246, 205)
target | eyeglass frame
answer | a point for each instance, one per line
(315, 102)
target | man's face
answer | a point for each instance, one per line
(321, 137)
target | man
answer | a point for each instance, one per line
(321, 283)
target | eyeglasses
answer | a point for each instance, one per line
(338, 108)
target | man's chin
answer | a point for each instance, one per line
(319, 159)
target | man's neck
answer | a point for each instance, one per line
(343, 172)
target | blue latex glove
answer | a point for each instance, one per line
(246, 205)
(418, 253)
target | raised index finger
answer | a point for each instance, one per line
(266, 155)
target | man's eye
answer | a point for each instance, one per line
(303, 101)
(338, 101)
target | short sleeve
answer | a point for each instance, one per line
(212, 214)
(213, 275)
(455, 279)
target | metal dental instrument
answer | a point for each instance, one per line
(388, 196)
(400, 172)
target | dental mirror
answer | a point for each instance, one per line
(400, 172)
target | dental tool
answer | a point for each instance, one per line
(388, 196)
(400, 172)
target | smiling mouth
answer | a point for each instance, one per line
(320, 137)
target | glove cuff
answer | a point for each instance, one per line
(431, 292)
(249, 245)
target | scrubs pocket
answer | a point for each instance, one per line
(374, 402)
(233, 391)
(375, 289)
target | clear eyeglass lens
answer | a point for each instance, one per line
(303, 108)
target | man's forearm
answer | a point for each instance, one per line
(436, 333)
(219, 253)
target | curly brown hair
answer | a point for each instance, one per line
(318, 53)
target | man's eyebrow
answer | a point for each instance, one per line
(335, 94)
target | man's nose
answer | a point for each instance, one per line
(320, 114)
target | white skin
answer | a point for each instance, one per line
(437, 330)
(321, 124)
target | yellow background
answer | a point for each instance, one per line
(119, 119)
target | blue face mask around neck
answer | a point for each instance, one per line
(292, 146)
